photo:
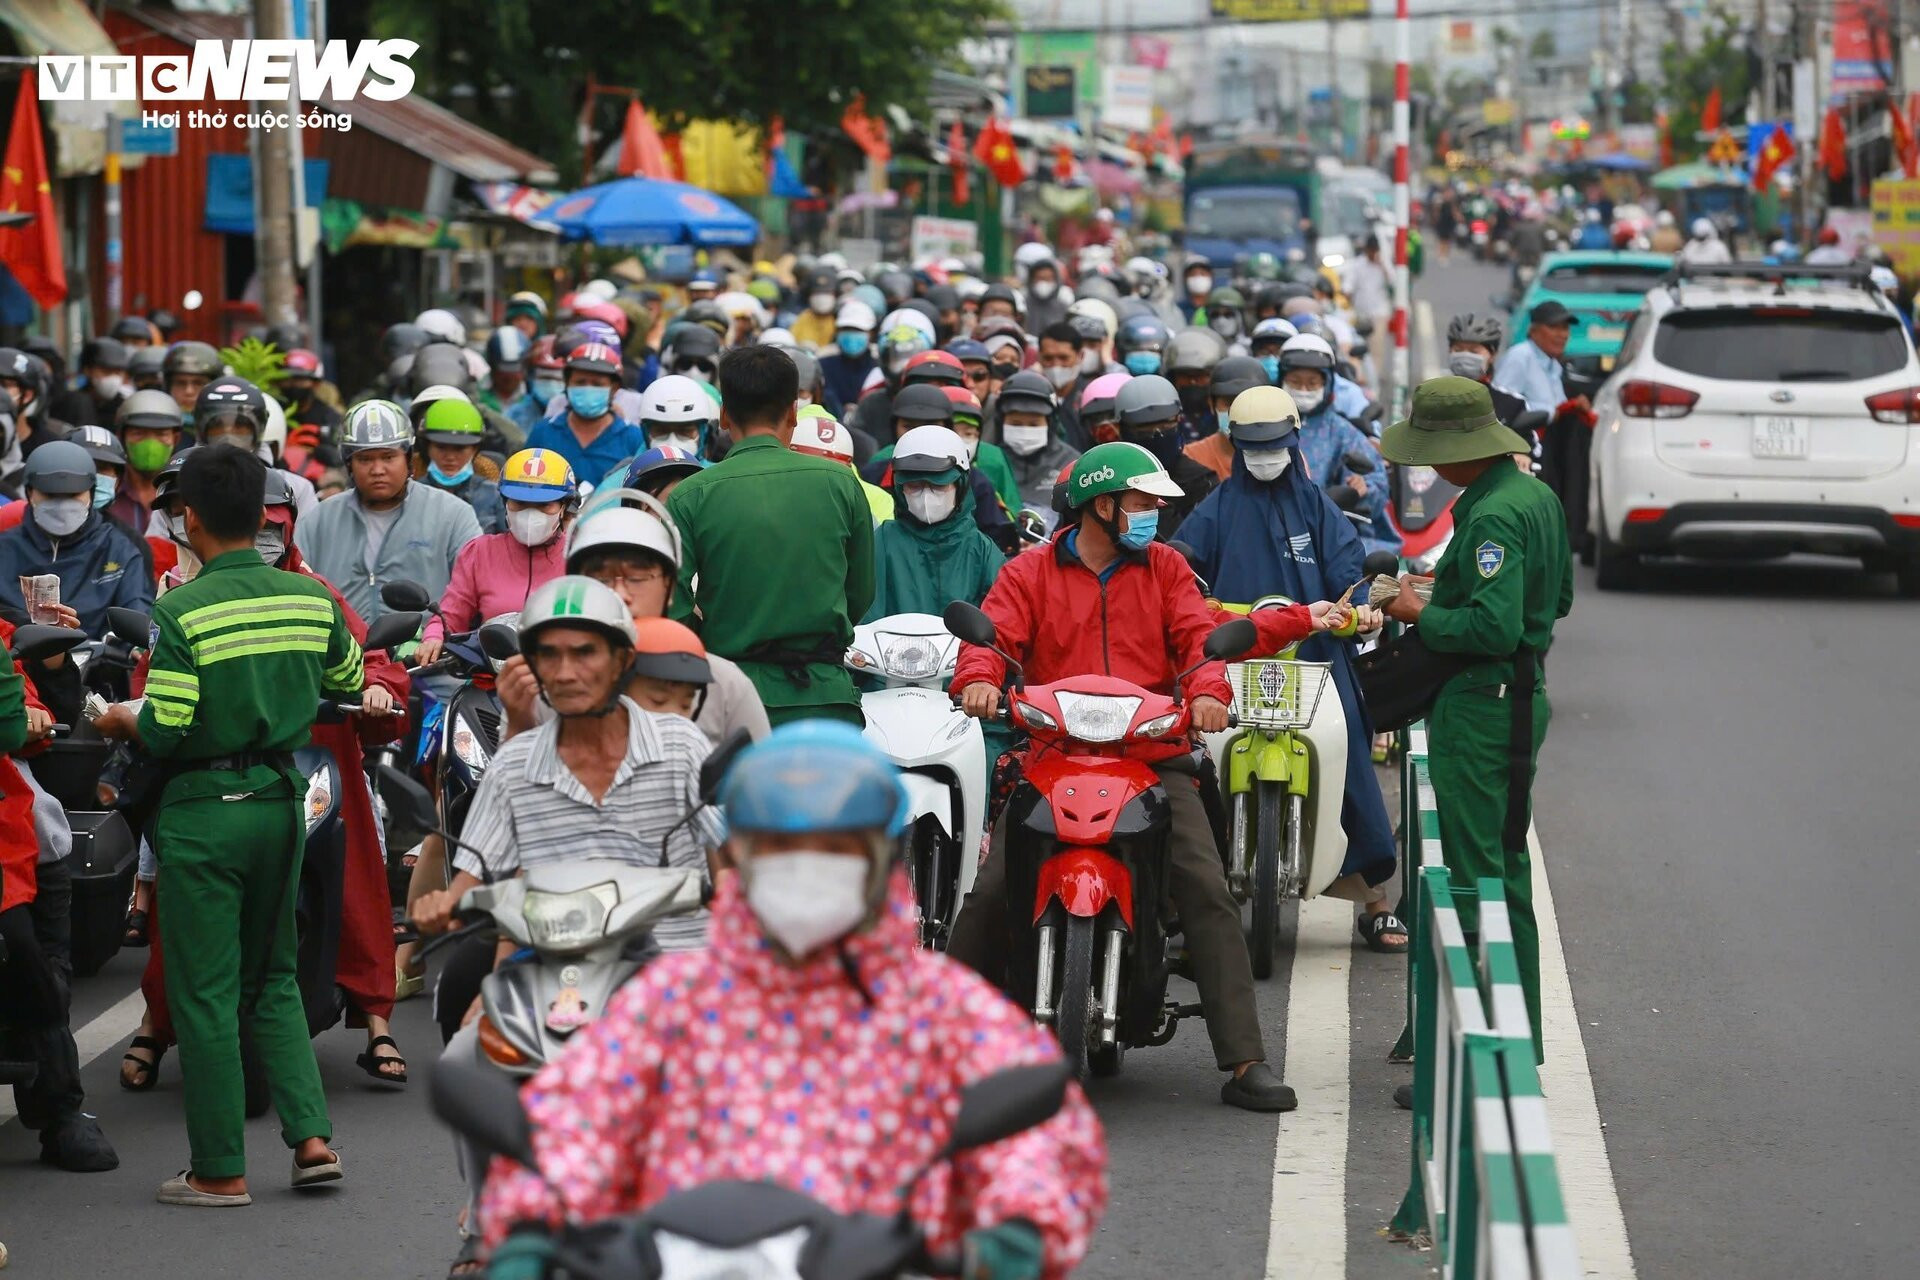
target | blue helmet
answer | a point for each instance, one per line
(814, 775)
(658, 465)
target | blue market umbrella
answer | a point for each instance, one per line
(640, 211)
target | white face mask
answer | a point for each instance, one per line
(1267, 464)
(109, 385)
(1090, 361)
(1061, 375)
(1024, 441)
(821, 303)
(1199, 284)
(532, 527)
(60, 517)
(1043, 289)
(177, 529)
(271, 544)
(690, 443)
(931, 506)
(973, 446)
(804, 900)
(1467, 364)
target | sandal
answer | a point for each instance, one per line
(406, 985)
(136, 935)
(147, 1073)
(467, 1262)
(379, 1067)
(1374, 928)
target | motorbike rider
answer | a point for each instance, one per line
(99, 565)
(385, 528)
(1269, 335)
(1230, 377)
(1473, 340)
(813, 922)
(233, 411)
(1226, 317)
(924, 405)
(546, 384)
(587, 434)
(1704, 244)
(496, 572)
(103, 366)
(1099, 420)
(304, 375)
(1024, 424)
(932, 553)
(813, 328)
(1531, 369)
(188, 368)
(677, 412)
(658, 470)
(817, 434)
(1046, 299)
(1149, 412)
(453, 461)
(506, 388)
(1140, 344)
(1327, 438)
(1196, 280)
(1270, 529)
(1105, 596)
(1188, 364)
(844, 370)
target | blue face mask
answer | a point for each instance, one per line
(1141, 363)
(589, 402)
(104, 487)
(1141, 526)
(852, 343)
(1226, 421)
(545, 389)
(449, 480)
(1272, 365)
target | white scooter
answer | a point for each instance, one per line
(941, 754)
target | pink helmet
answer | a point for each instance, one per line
(1097, 400)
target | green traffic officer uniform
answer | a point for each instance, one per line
(1503, 581)
(241, 657)
(777, 560)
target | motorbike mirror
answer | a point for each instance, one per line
(1381, 563)
(404, 595)
(131, 625)
(1373, 412)
(1231, 639)
(1532, 420)
(1343, 497)
(1358, 348)
(482, 1104)
(1363, 327)
(713, 770)
(393, 629)
(499, 641)
(1362, 461)
(406, 793)
(36, 642)
(1008, 1102)
(969, 623)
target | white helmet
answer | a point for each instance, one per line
(676, 398)
(776, 337)
(623, 518)
(1882, 276)
(1702, 229)
(1031, 252)
(601, 288)
(932, 441)
(832, 260)
(1274, 327)
(1308, 342)
(442, 326)
(273, 433)
(1097, 310)
(1146, 268)
(911, 317)
(1664, 218)
(442, 391)
(971, 287)
(737, 303)
(855, 314)
(574, 601)
(822, 437)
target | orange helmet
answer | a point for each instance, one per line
(668, 650)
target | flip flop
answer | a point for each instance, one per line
(136, 934)
(371, 1062)
(1373, 928)
(149, 1074)
(406, 985)
(177, 1190)
(313, 1175)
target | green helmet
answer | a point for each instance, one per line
(375, 424)
(1263, 266)
(452, 421)
(1114, 468)
(574, 601)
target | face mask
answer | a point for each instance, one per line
(804, 900)
(104, 487)
(931, 506)
(1267, 464)
(532, 527)
(109, 385)
(1061, 376)
(1001, 372)
(589, 402)
(1309, 402)
(852, 343)
(1043, 289)
(59, 517)
(1467, 364)
(1141, 526)
(1024, 441)
(1142, 363)
(448, 479)
(698, 375)
(1193, 403)
(545, 389)
(1227, 327)
(820, 303)
(1272, 365)
(1090, 360)
(270, 543)
(1225, 417)
(148, 455)
(1200, 284)
(177, 528)
(690, 443)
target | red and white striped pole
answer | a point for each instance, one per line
(1402, 209)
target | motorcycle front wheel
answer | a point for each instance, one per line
(1073, 1011)
(1269, 824)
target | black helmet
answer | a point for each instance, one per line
(1001, 293)
(145, 368)
(706, 314)
(30, 372)
(101, 445)
(165, 321)
(169, 478)
(895, 286)
(285, 337)
(1025, 392)
(1141, 333)
(228, 402)
(921, 403)
(693, 342)
(104, 353)
(278, 492)
(439, 364)
(1234, 375)
(401, 340)
(132, 329)
(192, 358)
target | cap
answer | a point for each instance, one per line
(1552, 314)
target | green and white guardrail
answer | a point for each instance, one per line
(1483, 1186)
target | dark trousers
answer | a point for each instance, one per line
(1564, 450)
(1209, 916)
(35, 991)
(467, 965)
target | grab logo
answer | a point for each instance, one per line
(1092, 477)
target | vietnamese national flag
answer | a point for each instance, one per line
(957, 161)
(1903, 144)
(1710, 113)
(1774, 153)
(994, 148)
(1833, 145)
(1062, 163)
(641, 151)
(31, 251)
(868, 133)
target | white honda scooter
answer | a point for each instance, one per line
(941, 754)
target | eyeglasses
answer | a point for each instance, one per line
(688, 366)
(633, 581)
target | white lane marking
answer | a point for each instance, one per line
(1307, 1235)
(1579, 1148)
(1428, 339)
(103, 1033)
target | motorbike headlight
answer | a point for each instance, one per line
(468, 744)
(769, 1258)
(912, 657)
(1334, 260)
(1157, 726)
(559, 920)
(1034, 717)
(1097, 717)
(319, 795)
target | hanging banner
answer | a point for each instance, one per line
(1127, 98)
(1290, 10)
(942, 238)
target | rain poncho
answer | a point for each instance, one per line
(923, 568)
(1326, 439)
(1287, 538)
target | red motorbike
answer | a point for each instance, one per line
(1088, 852)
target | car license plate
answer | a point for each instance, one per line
(1604, 333)
(1775, 437)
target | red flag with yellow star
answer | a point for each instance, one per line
(994, 148)
(32, 251)
(1904, 149)
(1774, 153)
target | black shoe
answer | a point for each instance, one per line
(1258, 1089)
(1403, 1097)
(76, 1144)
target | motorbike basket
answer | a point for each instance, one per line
(1277, 693)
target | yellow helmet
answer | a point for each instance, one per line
(538, 475)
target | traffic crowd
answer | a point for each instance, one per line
(682, 501)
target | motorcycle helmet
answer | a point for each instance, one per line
(669, 650)
(134, 329)
(1194, 351)
(1146, 401)
(1141, 344)
(1236, 374)
(574, 601)
(1025, 392)
(930, 452)
(144, 365)
(507, 349)
(149, 410)
(941, 368)
(594, 357)
(451, 420)
(900, 341)
(696, 353)
(195, 359)
(921, 404)
(618, 520)
(708, 314)
(661, 465)
(807, 365)
(815, 775)
(228, 402)
(1093, 318)
(1262, 416)
(1114, 468)
(1313, 353)
(817, 435)
(1096, 402)
(402, 340)
(439, 364)
(375, 424)
(1477, 327)
(1224, 307)
(441, 325)
(418, 407)
(538, 475)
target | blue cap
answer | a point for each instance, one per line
(969, 349)
(814, 775)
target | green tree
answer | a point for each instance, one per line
(519, 67)
(1544, 48)
(1691, 75)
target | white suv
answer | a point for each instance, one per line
(1757, 411)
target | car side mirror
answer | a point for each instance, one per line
(392, 629)
(406, 794)
(713, 770)
(482, 1104)
(406, 596)
(36, 642)
(499, 641)
(996, 1107)
(1231, 639)
(130, 625)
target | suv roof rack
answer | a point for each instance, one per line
(1779, 274)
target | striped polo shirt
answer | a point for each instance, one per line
(530, 809)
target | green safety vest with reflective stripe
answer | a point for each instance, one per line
(241, 657)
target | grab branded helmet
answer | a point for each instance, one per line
(1115, 468)
(538, 475)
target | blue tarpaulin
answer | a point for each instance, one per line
(230, 192)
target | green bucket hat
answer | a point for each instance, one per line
(1452, 421)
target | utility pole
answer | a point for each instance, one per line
(273, 180)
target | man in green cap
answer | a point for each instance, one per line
(1497, 591)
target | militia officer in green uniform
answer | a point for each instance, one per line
(1504, 580)
(241, 657)
(778, 549)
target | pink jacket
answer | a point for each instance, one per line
(493, 575)
(728, 1064)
